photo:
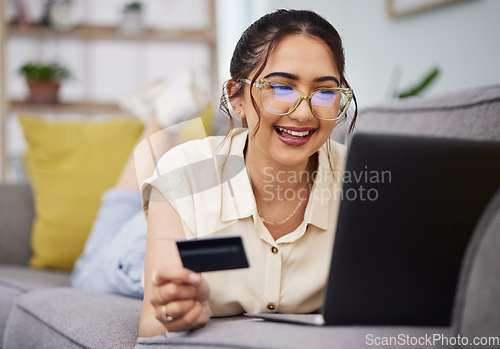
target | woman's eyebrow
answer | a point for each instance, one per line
(327, 78)
(295, 77)
(283, 75)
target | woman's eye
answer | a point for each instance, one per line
(326, 95)
(281, 89)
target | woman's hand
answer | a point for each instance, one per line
(180, 299)
(175, 298)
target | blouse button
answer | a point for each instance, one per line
(274, 250)
(271, 306)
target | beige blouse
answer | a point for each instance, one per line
(207, 183)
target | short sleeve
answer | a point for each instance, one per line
(195, 176)
(176, 178)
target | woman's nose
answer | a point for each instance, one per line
(303, 112)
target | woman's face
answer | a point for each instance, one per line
(307, 64)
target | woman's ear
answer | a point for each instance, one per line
(236, 100)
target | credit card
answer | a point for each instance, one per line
(213, 254)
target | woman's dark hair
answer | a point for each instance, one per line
(258, 41)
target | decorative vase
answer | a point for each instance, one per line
(43, 92)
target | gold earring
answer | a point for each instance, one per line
(239, 111)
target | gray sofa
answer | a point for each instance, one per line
(38, 309)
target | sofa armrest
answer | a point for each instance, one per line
(16, 217)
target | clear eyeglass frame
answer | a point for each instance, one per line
(347, 92)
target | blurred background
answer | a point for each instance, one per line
(425, 47)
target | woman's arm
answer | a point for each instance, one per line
(175, 299)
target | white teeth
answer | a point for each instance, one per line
(294, 133)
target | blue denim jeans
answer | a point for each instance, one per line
(113, 258)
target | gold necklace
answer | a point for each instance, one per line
(283, 221)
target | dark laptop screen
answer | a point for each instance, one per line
(408, 210)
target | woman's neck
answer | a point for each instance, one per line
(272, 180)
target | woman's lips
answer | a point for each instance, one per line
(294, 136)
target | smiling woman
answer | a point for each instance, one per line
(288, 84)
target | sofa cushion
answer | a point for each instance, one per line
(23, 278)
(242, 333)
(15, 280)
(70, 318)
(470, 114)
(16, 215)
(7, 296)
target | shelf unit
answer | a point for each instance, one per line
(62, 108)
(85, 32)
(207, 36)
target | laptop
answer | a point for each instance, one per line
(409, 207)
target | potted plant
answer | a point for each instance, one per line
(132, 17)
(44, 80)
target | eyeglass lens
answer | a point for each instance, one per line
(281, 99)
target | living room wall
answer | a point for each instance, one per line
(381, 52)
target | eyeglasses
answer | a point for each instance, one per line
(279, 98)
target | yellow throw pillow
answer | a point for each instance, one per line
(70, 164)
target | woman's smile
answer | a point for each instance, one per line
(294, 136)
